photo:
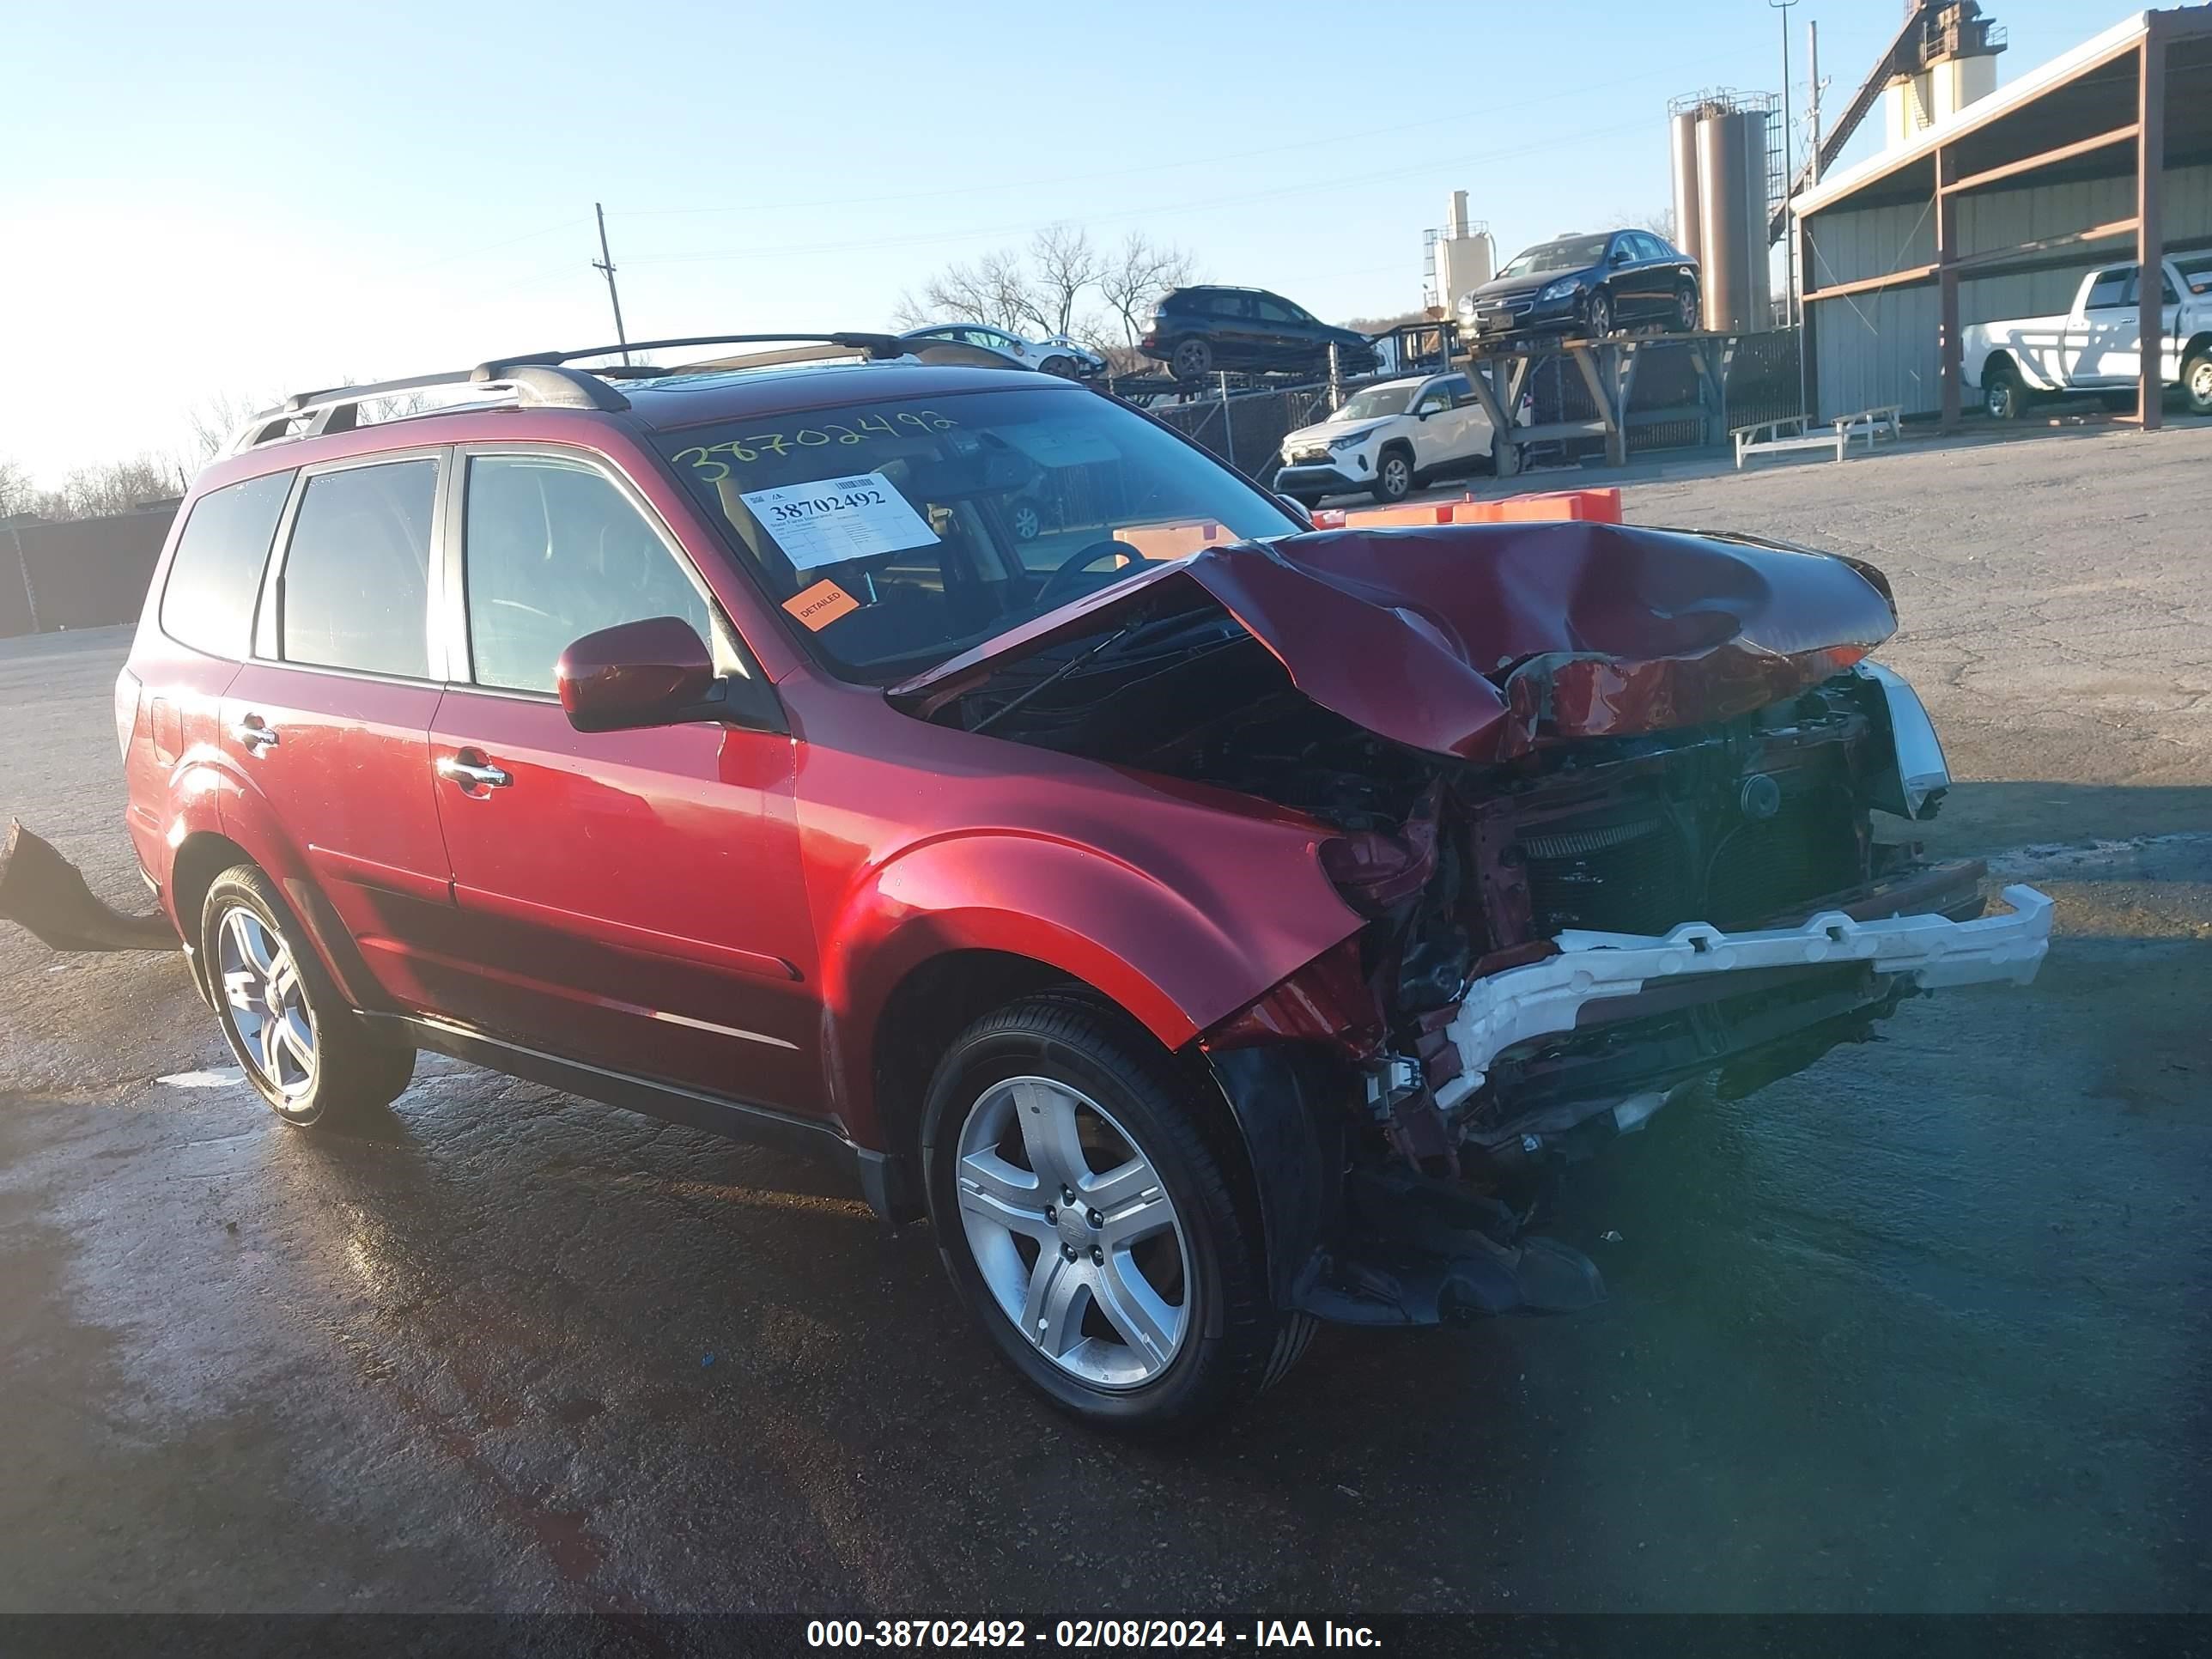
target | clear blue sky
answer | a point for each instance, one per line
(234, 200)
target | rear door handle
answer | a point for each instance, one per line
(255, 733)
(473, 774)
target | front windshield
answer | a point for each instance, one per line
(897, 534)
(1377, 401)
(1572, 253)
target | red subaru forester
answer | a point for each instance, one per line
(1210, 923)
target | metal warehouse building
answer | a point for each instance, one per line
(1997, 208)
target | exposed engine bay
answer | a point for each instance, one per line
(1639, 877)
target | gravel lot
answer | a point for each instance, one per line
(1925, 1328)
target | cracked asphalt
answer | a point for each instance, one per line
(1925, 1328)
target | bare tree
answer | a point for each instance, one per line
(995, 289)
(1066, 265)
(1661, 220)
(1042, 291)
(216, 421)
(17, 493)
(1136, 274)
(112, 487)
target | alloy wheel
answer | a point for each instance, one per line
(1600, 317)
(1073, 1232)
(2200, 383)
(1397, 477)
(267, 1004)
(1996, 399)
(1026, 523)
(1192, 359)
(1686, 311)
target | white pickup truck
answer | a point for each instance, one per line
(2097, 346)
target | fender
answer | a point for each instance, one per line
(1149, 941)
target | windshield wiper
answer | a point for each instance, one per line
(1056, 676)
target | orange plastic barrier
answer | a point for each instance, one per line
(1580, 506)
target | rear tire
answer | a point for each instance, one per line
(1148, 1345)
(1064, 367)
(1685, 309)
(1193, 360)
(2196, 383)
(307, 1052)
(2003, 396)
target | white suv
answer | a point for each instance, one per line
(1386, 439)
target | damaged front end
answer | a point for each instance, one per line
(1626, 814)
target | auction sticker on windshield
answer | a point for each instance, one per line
(834, 519)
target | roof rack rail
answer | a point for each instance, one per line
(880, 346)
(541, 384)
(539, 379)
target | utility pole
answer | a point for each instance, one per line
(1813, 80)
(1792, 308)
(604, 264)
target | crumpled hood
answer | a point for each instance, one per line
(1483, 641)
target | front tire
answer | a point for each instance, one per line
(1394, 477)
(1601, 316)
(304, 1050)
(2196, 383)
(1082, 1195)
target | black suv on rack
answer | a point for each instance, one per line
(1196, 331)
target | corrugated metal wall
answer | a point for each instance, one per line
(1881, 347)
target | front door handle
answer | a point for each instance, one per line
(254, 733)
(472, 772)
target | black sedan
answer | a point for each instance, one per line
(1592, 286)
(1196, 331)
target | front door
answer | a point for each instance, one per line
(329, 723)
(633, 898)
(2100, 344)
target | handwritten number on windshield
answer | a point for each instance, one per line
(708, 461)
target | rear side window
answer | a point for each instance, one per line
(357, 577)
(208, 603)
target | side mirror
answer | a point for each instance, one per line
(1620, 256)
(1296, 509)
(653, 672)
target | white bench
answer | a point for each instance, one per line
(1795, 432)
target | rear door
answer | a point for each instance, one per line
(633, 898)
(329, 722)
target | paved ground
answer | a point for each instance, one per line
(1923, 1328)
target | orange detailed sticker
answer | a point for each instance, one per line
(821, 605)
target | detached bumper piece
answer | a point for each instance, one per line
(41, 891)
(1931, 951)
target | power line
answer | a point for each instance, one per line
(1310, 188)
(1336, 139)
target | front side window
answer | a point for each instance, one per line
(554, 550)
(208, 603)
(1569, 253)
(1377, 403)
(2110, 291)
(356, 579)
(886, 530)
(2196, 271)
